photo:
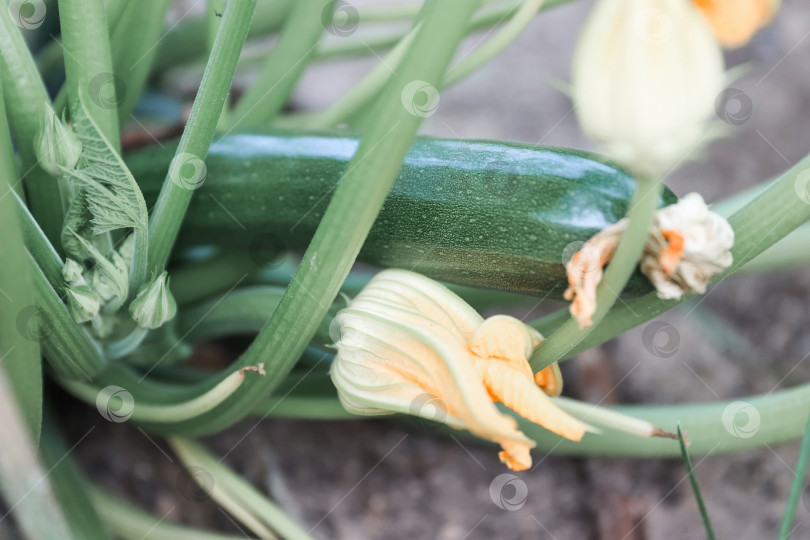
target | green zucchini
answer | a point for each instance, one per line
(479, 213)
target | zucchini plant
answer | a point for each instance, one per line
(268, 221)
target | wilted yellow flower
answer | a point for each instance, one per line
(735, 21)
(646, 74)
(407, 341)
(688, 244)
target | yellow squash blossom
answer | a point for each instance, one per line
(406, 340)
(645, 77)
(735, 21)
(688, 244)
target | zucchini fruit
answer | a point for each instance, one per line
(479, 213)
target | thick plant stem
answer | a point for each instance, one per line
(179, 185)
(350, 214)
(27, 103)
(133, 44)
(19, 354)
(621, 266)
(88, 63)
(24, 483)
(284, 65)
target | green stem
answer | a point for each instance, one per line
(88, 63)
(713, 428)
(797, 487)
(197, 280)
(39, 247)
(19, 356)
(26, 103)
(284, 66)
(178, 188)
(359, 195)
(353, 101)
(789, 252)
(133, 44)
(131, 523)
(244, 311)
(179, 412)
(358, 44)
(188, 40)
(621, 267)
(494, 46)
(24, 483)
(69, 486)
(67, 347)
(773, 214)
(230, 490)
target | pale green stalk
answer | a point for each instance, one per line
(284, 66)
(131, 523)
(177, 189)
(27, 103)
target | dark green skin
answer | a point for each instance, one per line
(485, 214)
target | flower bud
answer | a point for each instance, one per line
(57, 147)
(407, 341)
(645, 75)
(83, 302)
(73, 273)
(154, 304)
(110, 279)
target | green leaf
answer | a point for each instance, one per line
(797, 487)
(106, 197)
(695, 488)
(112, 195)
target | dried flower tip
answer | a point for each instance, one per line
(584, 272)
(259, 368)
(57, 147)
(154, 304)
(688, 244)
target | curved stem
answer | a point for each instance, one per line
(161, 413)
(283, 66)
(177, 190)
(621, 266)
(27, 103)
(719, 427)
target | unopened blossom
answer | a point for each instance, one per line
(735, 21)
(687, 245)
(645, 76)
(407, 341)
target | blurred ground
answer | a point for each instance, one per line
(369, 479)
